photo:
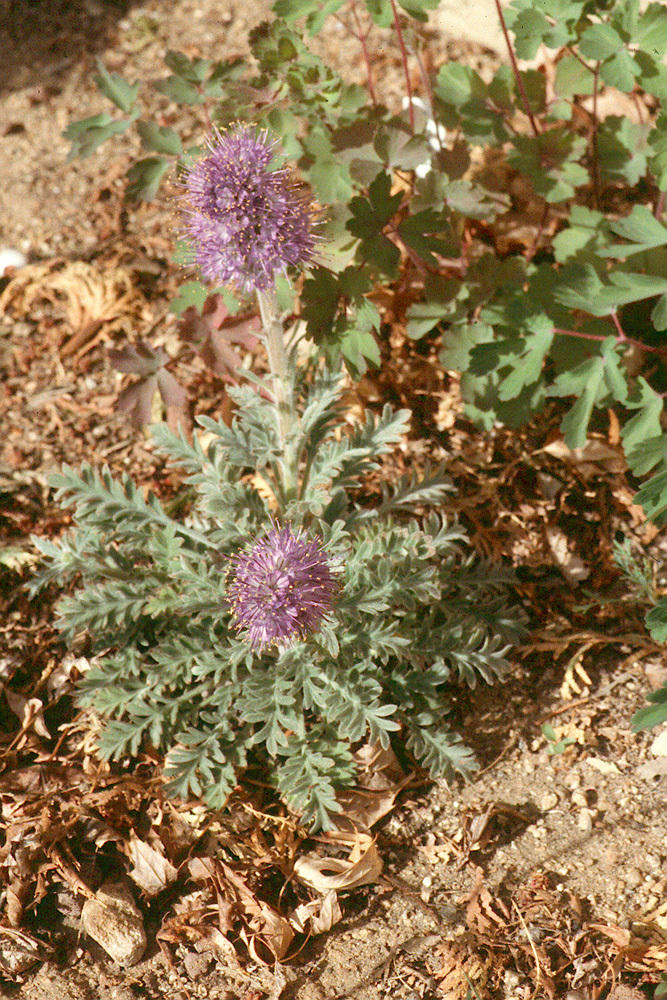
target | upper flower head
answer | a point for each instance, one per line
(281, 588)
(245, 221)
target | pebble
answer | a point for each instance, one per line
(585, 820)
(632, 877)
(549, 800)
(114, 921)
(10, 258)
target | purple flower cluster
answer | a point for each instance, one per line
(281, 588)
(244, 220)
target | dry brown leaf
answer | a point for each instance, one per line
(461, 966)
(321, 914)
(18, 951)
(150, 869)
(266, 933)
(89, 297)
(29, 712)
(481, 915)
(381, 778)
(594, 457)
(361, 868)
(573, 568)
(269, 930)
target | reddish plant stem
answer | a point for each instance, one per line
(538, 235)
(515, 70)
(404, 60)
(573, 52)
(660, 351)
(594, 139)
(619, 328)
(362, 38)
(660, 206)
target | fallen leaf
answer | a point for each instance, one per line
(572, 567)
(18, 951)
(266, 933)
(29, 712)
(150, 869)
(653, 768)
(659, 745)
(595, 456)
(603, 766)
(321, 914)
(322, 874)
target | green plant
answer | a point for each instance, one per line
(406, 206)
(554, 745)
(414, 610)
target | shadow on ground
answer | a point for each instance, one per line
(40, 39)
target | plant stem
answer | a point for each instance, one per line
(594, 140)
(404, 60)
(515, 69)
(282, 384)
(660, 351)
(362, 38)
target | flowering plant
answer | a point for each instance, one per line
(281, 622)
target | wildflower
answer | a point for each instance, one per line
(245, 220)
(281, 588)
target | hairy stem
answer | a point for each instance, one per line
(515, 70)
(282, 384)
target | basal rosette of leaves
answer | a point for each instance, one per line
(167, 615)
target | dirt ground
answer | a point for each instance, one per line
(547, 874)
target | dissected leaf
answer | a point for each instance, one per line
(137, 399)
(213, 332)
(115, 88)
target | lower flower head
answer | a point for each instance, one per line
(245, 221)
(281, 588)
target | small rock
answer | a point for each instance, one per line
(585, 820)
(10, 258)
(632, 877)
(114, 921)
(579, 798)
(197, 965)
(549, 800)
